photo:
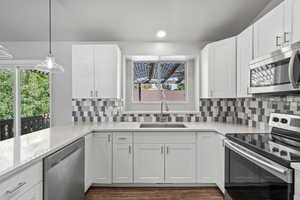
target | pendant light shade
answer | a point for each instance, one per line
(49, 64)
(4, 53)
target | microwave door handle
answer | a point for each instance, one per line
(291, 69)
(254, 159)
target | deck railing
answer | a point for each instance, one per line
(28, 125)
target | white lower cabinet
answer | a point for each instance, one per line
(149, 163)
(220, 165)
(180, 163)
(206, 157)
(102, 158)
(89, 166)
(297, 185)
(35, 193)
(25, 185)
(122, 158)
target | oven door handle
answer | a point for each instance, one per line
(291, 69)
(253, 158)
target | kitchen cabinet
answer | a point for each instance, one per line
(206, 157)
(269, 31)
(180, 161)
(83, 71)
(35, 193)
(25, 185)
(293, 17)
(218, 69)
(89, 167)
(220, 165)
(297, 185)
(149, 163)
(122, 158)
(244, 57)
(96, 71)
(102, 158)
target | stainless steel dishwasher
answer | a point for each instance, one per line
(64, 173)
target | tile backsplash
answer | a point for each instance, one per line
(253, 112)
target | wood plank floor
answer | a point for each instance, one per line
(99, 193)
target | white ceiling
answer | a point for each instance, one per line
(126, 20)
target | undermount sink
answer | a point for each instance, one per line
(162, 125)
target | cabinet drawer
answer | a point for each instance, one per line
(164, 137)
(123, 138)
(21, 182)
(297, 184)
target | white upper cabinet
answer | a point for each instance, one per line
(82, 71)
(269, 31)
(107, 71)
(244, 56)
(96, 71)
(218, 70)
(293, 20)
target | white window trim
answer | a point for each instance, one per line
(15, 66)
(187, 100)
(195, 90)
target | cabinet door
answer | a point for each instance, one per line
(106, 71)
(88, 161)
(244, 56)
(297, 185)
(180, 163)
(206, 75)
(294, 5)
(206, 157)
(220, 180)
(148, 163)
(82, 71)
(35, 193)
(122, 154)
(102, 158)
(268, 32)
(223, 69)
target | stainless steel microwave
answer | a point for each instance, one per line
(277, 72)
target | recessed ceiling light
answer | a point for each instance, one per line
(161, 34)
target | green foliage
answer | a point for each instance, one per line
(35, 97)
(6, 95)
(35, 94)
(181, 86)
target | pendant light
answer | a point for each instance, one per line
(4, 53)
(49, 64)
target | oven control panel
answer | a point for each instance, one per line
(285, 121)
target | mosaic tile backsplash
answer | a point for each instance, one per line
(254, 112)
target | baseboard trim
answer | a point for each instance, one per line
(155, 185)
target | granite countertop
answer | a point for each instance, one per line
(21, 152)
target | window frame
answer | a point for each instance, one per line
(191, 105)
(15, 67)
(186, 71)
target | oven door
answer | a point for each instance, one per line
(277, 74)
(250, 176)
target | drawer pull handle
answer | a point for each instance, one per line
(18, 187)
(129, 149)
(122, 138)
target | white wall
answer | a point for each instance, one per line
(62, 83)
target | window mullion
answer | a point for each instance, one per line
(17, 102)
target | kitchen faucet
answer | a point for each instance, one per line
(162, 105)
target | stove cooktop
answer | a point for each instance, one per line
(272, 146)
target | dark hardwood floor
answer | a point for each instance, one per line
(99, 193)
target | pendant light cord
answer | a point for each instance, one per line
(50, 27)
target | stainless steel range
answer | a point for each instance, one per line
(258, 166)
